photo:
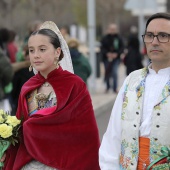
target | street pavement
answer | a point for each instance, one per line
(102, 101)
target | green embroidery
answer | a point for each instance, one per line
(125, 102)
(157, 107)
(140, 92)
(144, 72)
(166, 90)
(141, 88)
(155, 149)
(164, 94)
(134, 150)
(125, 161)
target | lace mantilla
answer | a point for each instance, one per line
(35, 165)
(66, 62)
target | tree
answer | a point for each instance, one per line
(17, 14)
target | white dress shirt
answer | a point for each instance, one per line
(111, 143)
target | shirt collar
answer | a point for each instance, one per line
(160, 72)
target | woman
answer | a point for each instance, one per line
(59, 128)
(133, 57)
(19, 78)
(6, 71)
(81, 64)
(6, 74)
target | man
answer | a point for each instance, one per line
(140, 120)
(111, 49)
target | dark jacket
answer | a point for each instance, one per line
(111, 43)
(133, 59)
(20, 77)
(6, 73)
(81, 64)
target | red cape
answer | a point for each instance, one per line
(64, 137)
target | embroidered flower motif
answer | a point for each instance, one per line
(145, 71)
(140, 89)
(134, 150)
(157, 107)
(155, 149)
(125, 101)
(166, 90)
(124, 145)
(125, 161)
(164, 94)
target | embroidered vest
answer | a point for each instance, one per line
(131, 118)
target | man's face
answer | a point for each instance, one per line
(112, 29)
(158, 52)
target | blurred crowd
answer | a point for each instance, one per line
(14, 60)
(14, 64)
(115, 50)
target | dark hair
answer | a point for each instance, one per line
(26, 50)
(54, 40)
(4, 36)
(133, 42)
(12, 35)
(157, 15)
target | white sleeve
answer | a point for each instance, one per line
(111, 143)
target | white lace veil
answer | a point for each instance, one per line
(66, 62)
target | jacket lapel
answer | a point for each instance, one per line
(165, 93)
(141, 87)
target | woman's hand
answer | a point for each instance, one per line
(19, 65)
(3, 158)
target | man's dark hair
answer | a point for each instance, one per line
(157, 15)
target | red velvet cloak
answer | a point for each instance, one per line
(64, 137)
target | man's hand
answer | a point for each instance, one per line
(111, 56)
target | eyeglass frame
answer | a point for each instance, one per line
(168, 36)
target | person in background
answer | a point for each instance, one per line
(32, 26)
(12, 48)
(81, 64)
(19, 78)
(139, 125)
(65, 33)
(6, 70)
(5, 36)
(112, 47)
(133, 57)
(6, 74)
(59, 130)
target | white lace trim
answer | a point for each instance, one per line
(35, 165)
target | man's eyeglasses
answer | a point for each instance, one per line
(162, 37)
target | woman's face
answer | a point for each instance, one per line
(43, 55)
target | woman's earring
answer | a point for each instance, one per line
(56, 62)
(30, 68)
